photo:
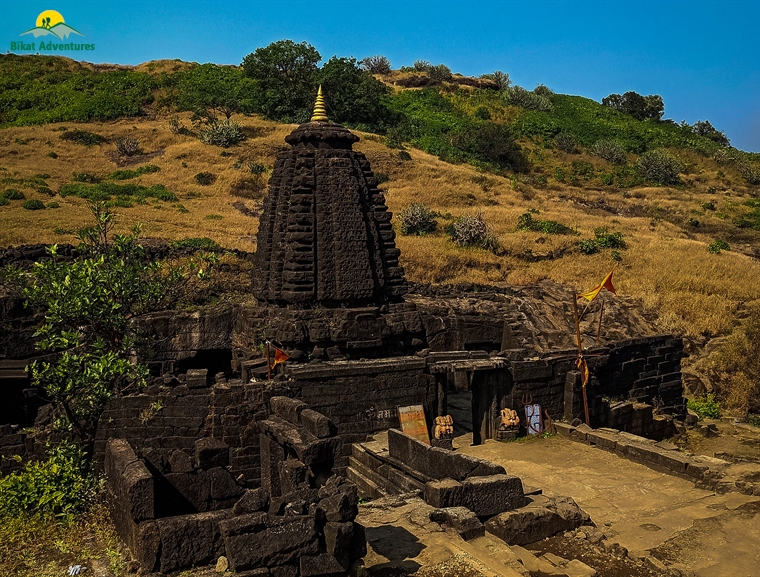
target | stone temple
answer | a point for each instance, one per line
(325, 237)
(268, 472)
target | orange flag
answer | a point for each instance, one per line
(606, 283)
(279, 357)
(583, 368)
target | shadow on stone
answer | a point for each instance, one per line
(397, 545)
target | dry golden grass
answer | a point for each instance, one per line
(666, 265)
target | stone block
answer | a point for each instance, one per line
(603, 440)
(493, 494)
(137, 488)
(339, 508)
(323, 564)
(443, 493)
(317, 424)
(252, 501)
(288, 409)
(272, 453)
(257, 540)
(338, 537)
(223, 485)
(294, 476)
(211, 452)
(180, 462)
(190, 489)
(564, 429)
(147, 545)
(196, 378)
(190, 540)
(541, 518)
(464, 521)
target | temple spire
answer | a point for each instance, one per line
(320, 114)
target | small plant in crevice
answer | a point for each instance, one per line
(705, 407)
(417, 218)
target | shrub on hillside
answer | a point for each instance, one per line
(205, 178)
(543, 90)
(526, 222)
(224, 133)
(85, 177)
(13, 194)
(439, 72)
(610, 150)
(565, 142)
(705, 407)
(518, 96)
(417, 218)
(82, 137)
(501, 79)
(482, 113)
(421, 65)
(33, 204)
(376, 64)
(750, 172)
(659, 166)
(472, 231)
(127, 146)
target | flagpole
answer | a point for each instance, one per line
(580, 356)
(269, 365)
(599, 329)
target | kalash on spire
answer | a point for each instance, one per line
(320, 114)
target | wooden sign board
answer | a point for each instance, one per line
(412, 419)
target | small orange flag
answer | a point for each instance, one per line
(606, 283)
(279, 357)
(583, 368)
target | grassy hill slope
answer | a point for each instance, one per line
(666, 229)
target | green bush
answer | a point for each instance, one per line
(224, 133)
(376, 64)
(105, 191)
(421, 65)
(205, 178)
(439, 72)
(718, 245)
(203, 243)
(482, 113)
(13, 194)
(3, 200)
(60, 486)
(128, 173)
(542, 90)
(33, 204)
(52, 155)
(472, 231)
(588, 246)
(659, 166)
(85, 177)
(526, 222)
(705, 407)
(83, 137)
(417, 218)
(518, 96)
(750, 173)
(53, 205)
(610, 150)
(565, 142)
(559, 174)
(606, 239)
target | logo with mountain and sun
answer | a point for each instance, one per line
(51, 23)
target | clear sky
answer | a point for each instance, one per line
(702, 57)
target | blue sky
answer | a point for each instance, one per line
(702, 57)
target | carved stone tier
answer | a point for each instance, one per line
(325, 236)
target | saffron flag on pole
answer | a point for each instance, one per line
(606, 283)
(279, 357)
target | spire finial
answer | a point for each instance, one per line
(320, 114)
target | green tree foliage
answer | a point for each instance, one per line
(709, 131)
(284, 74)
(635, 105)
(352, 95)
(209, 90)
(501, 79)
(376, 64)
(89, 305)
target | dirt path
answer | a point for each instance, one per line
(643, 510)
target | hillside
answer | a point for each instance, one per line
(444, 153)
